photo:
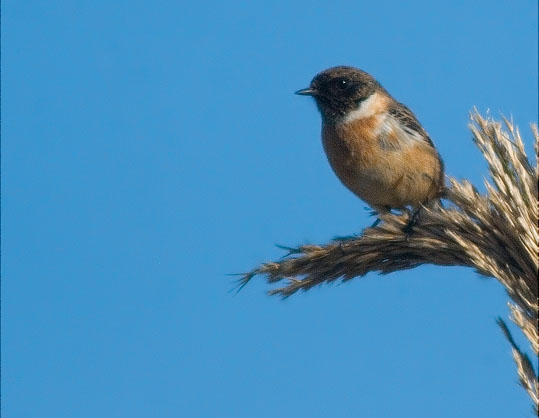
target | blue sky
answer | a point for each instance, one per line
(150, 148)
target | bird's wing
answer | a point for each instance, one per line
(409, 123)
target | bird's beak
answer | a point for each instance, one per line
(306, 92)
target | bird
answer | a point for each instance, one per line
(375, 144)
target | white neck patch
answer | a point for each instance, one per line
(368, 107)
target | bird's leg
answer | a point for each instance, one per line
(377, 210)
(376, 222)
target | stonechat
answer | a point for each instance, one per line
(374, 144)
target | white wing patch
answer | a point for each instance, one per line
(391, 127)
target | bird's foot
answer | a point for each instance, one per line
(415, 217)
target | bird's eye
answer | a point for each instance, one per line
(342, 83)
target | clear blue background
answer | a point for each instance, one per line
(149, 148)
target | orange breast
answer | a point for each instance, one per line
(380, 176)
(353, 150)
(352, 144)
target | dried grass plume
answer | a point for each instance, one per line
(495, 233)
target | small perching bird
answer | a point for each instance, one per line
(375, 144)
